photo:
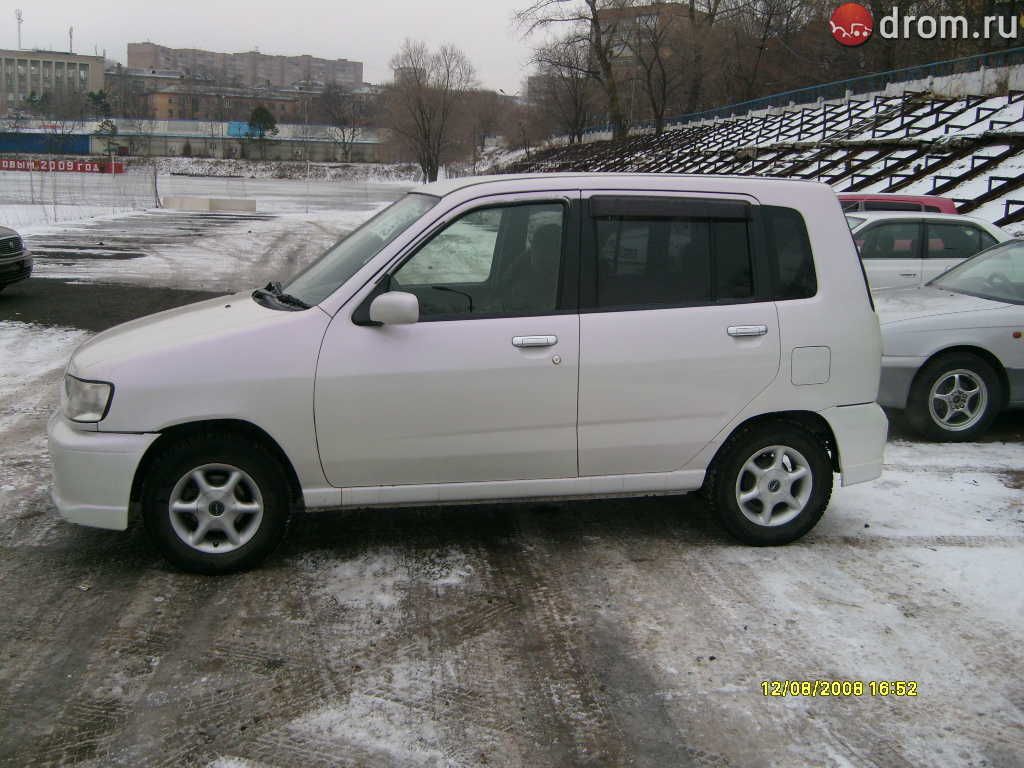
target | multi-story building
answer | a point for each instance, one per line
(250, 69)
(25, 75)
(189, 101)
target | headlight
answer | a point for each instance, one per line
(85, 400)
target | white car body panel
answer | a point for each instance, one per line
(225, 358)
(450, 411)
(453, 401)
(909, 272)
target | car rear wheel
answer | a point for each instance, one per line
(954, 398)
(215, 505)
(771, 483)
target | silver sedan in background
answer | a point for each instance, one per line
(953, 349)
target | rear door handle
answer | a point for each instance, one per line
(908, 274)
(747, 330)
(534, 341)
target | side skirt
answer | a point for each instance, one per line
(518, 490)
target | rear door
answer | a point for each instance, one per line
(949, 243)
(891, 252)
(675, 335)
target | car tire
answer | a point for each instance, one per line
(752, 488)
(215, 504)
(962, 381)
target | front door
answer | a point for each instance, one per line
(484, 386)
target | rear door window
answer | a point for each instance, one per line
(668, 257)
(891, 240)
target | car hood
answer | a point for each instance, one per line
(209, 322)
(7, 232)
(900, 304)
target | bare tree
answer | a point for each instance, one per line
(346, 114)
(597, 23)
(565, 89)
(652, 46)
(420, 103)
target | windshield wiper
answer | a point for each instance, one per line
(274, 290)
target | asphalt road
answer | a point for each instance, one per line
(629, 632)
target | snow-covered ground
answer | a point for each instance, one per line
(605, 633)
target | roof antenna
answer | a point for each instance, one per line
(18, 16)
(71, 39)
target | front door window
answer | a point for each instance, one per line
(491, 262)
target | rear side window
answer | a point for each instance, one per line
(790, 250)
(895, 205)
(891, 240)
(659, 261)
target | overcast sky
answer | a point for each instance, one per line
(365, 30)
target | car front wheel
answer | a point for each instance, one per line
(771, 483)
(954, 398)
(215, 505)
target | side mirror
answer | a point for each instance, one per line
(395, 308)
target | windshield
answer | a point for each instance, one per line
(346, 257)
(997, 273)
(854, 221)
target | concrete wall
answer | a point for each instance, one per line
(984, 81)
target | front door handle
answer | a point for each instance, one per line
(747, 330)
(908, 274)
(534, 341)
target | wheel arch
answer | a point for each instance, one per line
(810, 421)
(971, 349)
(238, 427)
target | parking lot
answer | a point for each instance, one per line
(625, 632)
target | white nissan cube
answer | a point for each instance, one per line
(497, 338)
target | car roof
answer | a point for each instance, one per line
(893, 196)
(516, 182)
(879, 215)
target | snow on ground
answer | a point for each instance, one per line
(241, 253)
(398, 173)
(29, 353)
(31, 359)
(25, 217)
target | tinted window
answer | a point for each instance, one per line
(671, 261)
(895, 205)
(492, 261)
(953, 241)
(790, 247)
(898, 240)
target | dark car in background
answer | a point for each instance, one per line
(15, 260)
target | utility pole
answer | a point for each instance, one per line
(19, 18)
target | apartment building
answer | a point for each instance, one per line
(250, 69)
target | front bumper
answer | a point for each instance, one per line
(15, 270)
(860, 432)
(93, 472)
